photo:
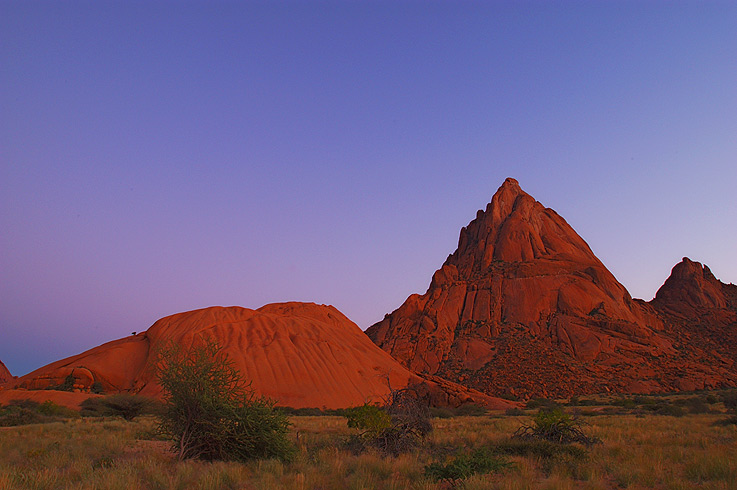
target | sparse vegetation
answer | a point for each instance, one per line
(24, 412)
(638, 450)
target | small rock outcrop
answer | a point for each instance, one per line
(523, 307)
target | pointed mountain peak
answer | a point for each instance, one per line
(515, 227)
(520, 272)
(510, 183)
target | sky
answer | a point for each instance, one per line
(158, 157)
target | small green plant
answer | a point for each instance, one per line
(460, 467)
(556, 426)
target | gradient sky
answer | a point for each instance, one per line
(157, 157)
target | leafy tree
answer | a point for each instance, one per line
(212, 413)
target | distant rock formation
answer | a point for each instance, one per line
(5, 375)
(523, 307)
(700, 314)
(299, 354)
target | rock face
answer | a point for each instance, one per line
(692, 293)
(301, 355)
(5, 375)
(700, 314)
(523, 307)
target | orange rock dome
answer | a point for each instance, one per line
(299, 354)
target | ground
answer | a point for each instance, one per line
(639, 449)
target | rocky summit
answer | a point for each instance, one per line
(524, 308)
(299, 354)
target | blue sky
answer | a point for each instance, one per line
(157, 157)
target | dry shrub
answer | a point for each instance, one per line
(398, 427)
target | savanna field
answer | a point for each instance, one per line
(663, 442)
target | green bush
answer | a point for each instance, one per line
(51, 409)
(398, 427)
(555, 425)
(441, 412)
(514, 412)
(312, 411)
(542, 403)
(122, 405)
(480, 461)
(211, 413)
(664, 408)
(540, 449)
(471, 410)
(369, 419)
(730, 400)
(13, 415)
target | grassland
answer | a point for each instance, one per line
(639, 449)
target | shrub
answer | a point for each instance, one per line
(512, 412)
(13, 415)
(480, 461)
(730, 400)
(471, 410)
(541, 403)
(51, 409)
(664, 408)
(398, 427)
(555, 426)
(122, 405)
(441, 412)
(370, 419)
(24, 412)
(211, 412)
(66, 385)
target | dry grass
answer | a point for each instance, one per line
(660, 452)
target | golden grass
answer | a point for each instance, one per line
(659, 452)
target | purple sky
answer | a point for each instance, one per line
(157, 157)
